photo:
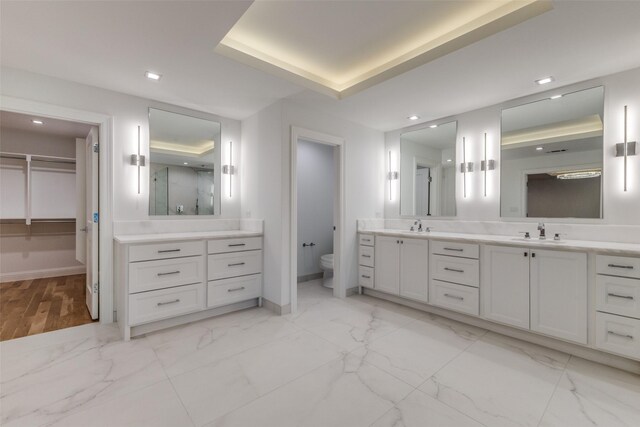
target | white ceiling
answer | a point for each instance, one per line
(112, 44)
(441, 137)
(56, 127)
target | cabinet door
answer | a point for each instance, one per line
(414, 268)
(559, 294)
(387, 264)
(504, 288)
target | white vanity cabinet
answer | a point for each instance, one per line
(366, 260)
(541, 290)
(402, 267)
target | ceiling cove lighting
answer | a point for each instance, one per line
(579, 174)
(37, 122)
(413, 117)
(152, 76)
(544, 80)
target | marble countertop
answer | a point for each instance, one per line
(194, 235)
(579, 245)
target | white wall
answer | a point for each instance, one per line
(316, 191)
(620, 208)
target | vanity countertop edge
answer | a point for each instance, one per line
(193, 235)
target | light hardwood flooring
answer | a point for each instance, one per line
(35, 306)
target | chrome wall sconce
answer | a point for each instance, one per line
(138, 160)
(486, 165)
(392, 175)
(626, 149)
(465, 167)
(229, 169)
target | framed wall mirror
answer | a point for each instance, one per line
(428, 171)
(552, 157)
(184, 164)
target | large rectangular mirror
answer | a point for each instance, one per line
(427, 171)
(552, 158)
(184, 164)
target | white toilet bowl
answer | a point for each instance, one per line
(326, 264)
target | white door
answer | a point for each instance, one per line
(422, 191)
(505, 285)
(387, 262)
(414, 268)
(81, 201)
(91, 205)
(559, 294)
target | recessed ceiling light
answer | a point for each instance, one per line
(414, 117)
(185, 163)
(539, 148)
(556, 97)
(544, 80)
(152, 76)
(433, 126)
(37, 122)
(448, 160)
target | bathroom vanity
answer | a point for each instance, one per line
(580, 292)
(164, 280)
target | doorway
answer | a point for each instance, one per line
(317, 211)
(49, 201)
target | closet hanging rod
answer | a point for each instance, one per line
(38, 157)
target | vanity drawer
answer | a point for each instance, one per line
(456, 270)
(228, 291)
(234, 245)
(618, 266)
(365, 276)
(366, 256)
(455, 297)
(618, 295)
(466, 250)
(150, 275)
(222, 266)
(165, 250)
(367, 239)
(161, 304)
(618, 334)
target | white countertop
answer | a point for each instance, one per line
(194, 235)
(579, 245)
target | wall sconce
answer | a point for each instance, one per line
(486, 165)
(626, 149)
(138, 160)
(229, 169)
(465, 166)
(391, 176)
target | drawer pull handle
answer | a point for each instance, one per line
(366, 240)
(235, 264)
(630, 337)
(241, 288)
(366, 277)
(164, 251)
(454, 297)
(620, 296)
(169, 273)
(169, 302)
(454, 270)
(236, 244)
(628, 267)
(454, 249)
(366, 256)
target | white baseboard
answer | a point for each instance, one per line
(280, 310)
(41, 274)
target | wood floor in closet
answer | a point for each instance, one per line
(30, 307)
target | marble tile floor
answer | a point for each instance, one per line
(355, 362)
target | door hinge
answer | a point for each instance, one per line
(95, 288)
(96, 148)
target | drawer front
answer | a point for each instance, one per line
(150, 306)
(457, 270)
(150, 275)
(366, 256)
(466, 250)
(455, 297)
(234, 245)
(223, 266)
(618, 295)
(165, 250)
(228, 291)
(618, 334)
(618, 266)
(365, 276)
(367, 239)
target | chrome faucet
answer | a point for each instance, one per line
(541, 229)
(418, 223)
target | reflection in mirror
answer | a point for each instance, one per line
(184, 164)
(551, 157)
(428, 172)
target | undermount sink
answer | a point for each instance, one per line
(532, 240)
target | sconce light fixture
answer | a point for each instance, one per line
(229, 169)
(138, 160)
(465, 167)
(626, 149)
(486, 165)
(391, 176)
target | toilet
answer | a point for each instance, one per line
(326, 264)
